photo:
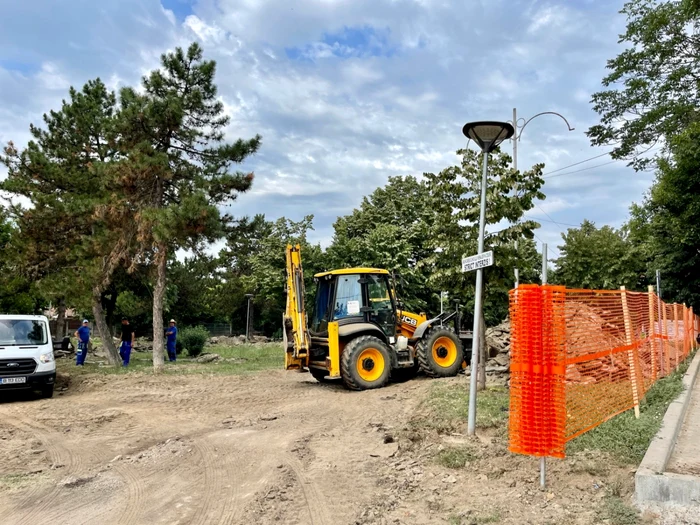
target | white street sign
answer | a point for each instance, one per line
(477, 261)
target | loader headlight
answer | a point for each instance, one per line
(46, 358)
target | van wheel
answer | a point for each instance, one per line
(440, 353)
(365, 363)
(47, 392)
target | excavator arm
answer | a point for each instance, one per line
(295, 328)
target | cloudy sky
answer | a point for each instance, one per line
(346, 93)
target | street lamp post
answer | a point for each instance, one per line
(488, 135)
(516, 137)
(249, 296)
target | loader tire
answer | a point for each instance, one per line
(439, 353)
(365, 363)
(319, 375)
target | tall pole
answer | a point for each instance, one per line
(471, 421)
(543, 459)
(544, 263)
(515, 167)
(662, 346)
(247, 319)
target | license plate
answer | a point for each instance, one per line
(12, 380)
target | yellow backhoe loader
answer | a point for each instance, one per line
(359, 332)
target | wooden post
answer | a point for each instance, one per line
(652, 331)
(630, 353)
(667, 350)
(675, 331)
(686, 340)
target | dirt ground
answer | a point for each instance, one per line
(271, 447)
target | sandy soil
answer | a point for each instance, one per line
(273, 447)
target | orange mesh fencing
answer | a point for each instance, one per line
(580, 357)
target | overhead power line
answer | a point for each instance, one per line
(582, 169)
(555, 222)
(547, 214)
(549, 247)
(577, 163)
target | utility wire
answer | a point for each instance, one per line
(547, 214)
(555, 222)
(550, 248)
(582, 169)
(577, 163)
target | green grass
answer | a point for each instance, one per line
(447, 406)
(456, 456)
(241, 359)
(616, 511)
(18, 481)
(474, 520)
(626, 437)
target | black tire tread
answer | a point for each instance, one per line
(424, 352)
(319, 375)
(346, 361)
(47, 392)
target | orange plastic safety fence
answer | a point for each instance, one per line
(580, 357)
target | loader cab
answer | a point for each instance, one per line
(354, 295)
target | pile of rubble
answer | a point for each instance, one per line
(498, 349)
(238, 340)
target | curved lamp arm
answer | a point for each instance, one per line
(543, 113)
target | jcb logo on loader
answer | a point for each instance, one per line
(409, 320)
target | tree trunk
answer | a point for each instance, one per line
(158, 295)
(110, 305)
(103, 329)
(481, 385)
(61, 318)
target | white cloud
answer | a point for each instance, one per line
(207, 33)
(340, 119)
(51, 78)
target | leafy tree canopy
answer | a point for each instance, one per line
(652, 92)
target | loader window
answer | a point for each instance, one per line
(324, 296)
(348, 298)
(380, 301)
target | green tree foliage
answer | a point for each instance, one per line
(389, 230)
(667, 226)
(455, 201)
(254, 262)
(653, 84)
(178, 169)
(17, 295)
(599, 259)
(193, 284)
(67, 239)
(422, 229)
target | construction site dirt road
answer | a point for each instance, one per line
(270, 447)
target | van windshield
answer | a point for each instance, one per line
(15, 332)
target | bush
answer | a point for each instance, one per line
(193, 339)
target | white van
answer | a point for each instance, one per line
(26, 354)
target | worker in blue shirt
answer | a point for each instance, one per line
(83, 336)
(171, 334)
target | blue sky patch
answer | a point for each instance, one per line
(26, 68)
(350, 42)
(181, 8)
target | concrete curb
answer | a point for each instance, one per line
(652, 483)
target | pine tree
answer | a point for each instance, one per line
(67, 242)
(177, 166)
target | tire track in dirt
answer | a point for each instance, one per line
(213, 485)
(314, 500)
(60, 455)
